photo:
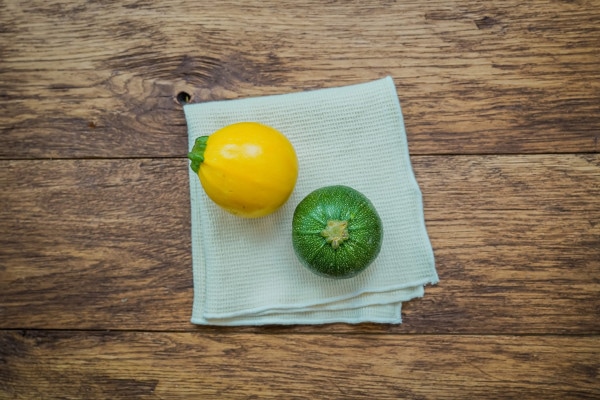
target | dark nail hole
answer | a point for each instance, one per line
(485, 22)
(183, 98)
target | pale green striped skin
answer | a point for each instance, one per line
(337, 203)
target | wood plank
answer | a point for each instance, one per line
(100, 79)
(106, 239)
(105, 244)
(517, 241)
(53, 364)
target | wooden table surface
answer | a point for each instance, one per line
(501, 101)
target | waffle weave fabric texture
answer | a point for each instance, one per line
(245, 271)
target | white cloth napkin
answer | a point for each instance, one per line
(246, 271)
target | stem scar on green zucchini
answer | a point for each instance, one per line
(197, 153)
(335, 233)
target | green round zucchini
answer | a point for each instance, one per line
(336, 232)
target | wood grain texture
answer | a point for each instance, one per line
(501, 101)
(122, 365)
(98, 79)
(106, 239)
(105, 244)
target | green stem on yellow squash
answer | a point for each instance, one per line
(335, 233)
(197, 153)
